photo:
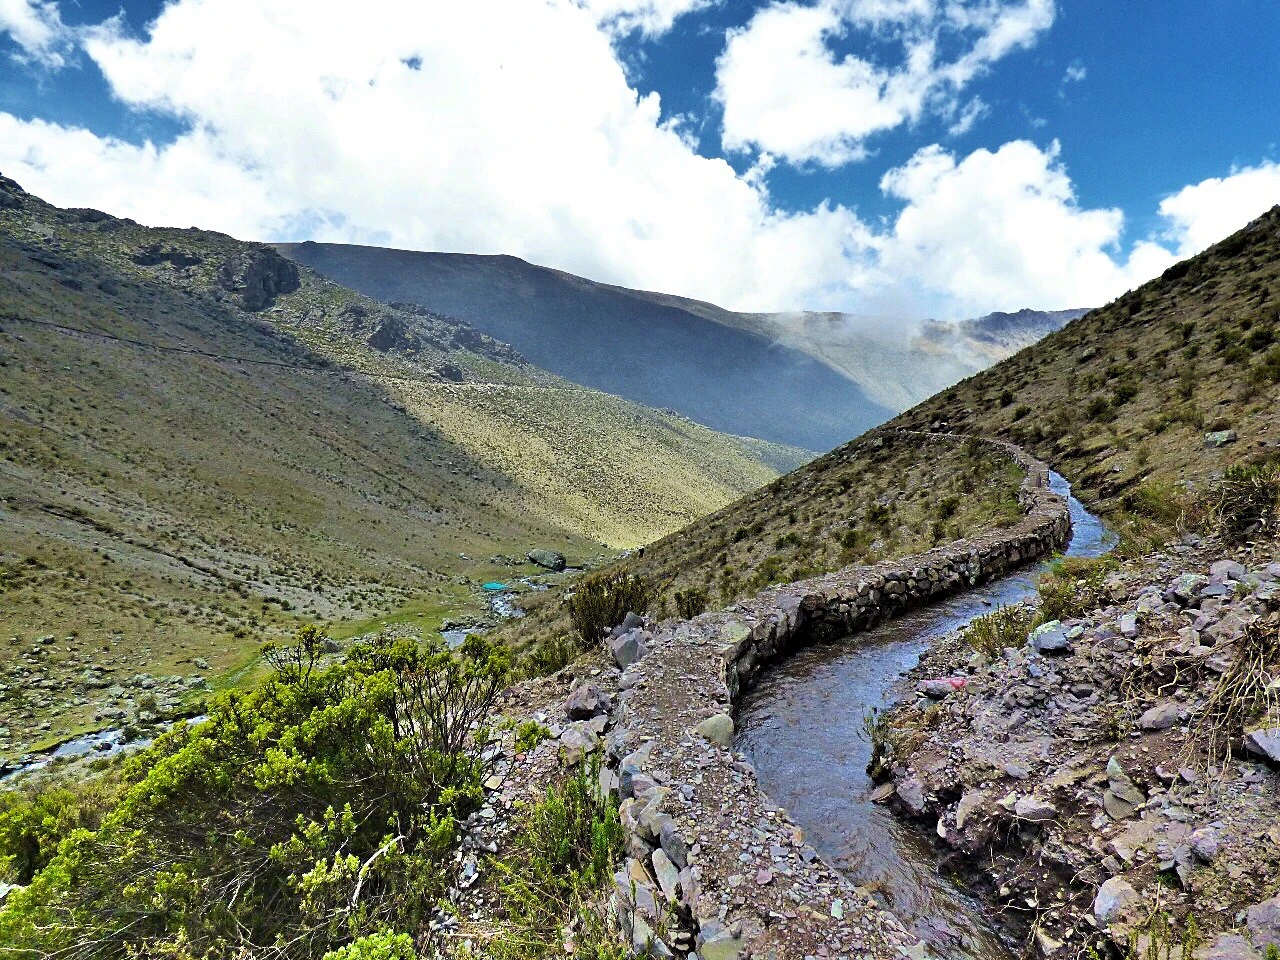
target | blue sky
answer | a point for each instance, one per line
(891, 158)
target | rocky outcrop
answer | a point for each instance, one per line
(258, 275)
(11, 195)
(712, 864)
(548, 559)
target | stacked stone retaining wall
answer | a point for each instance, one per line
(713, 866)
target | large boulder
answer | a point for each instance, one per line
(1034, 810)
(629, 648)
(718, 729)
(586, 701)
(548, 559)
(1162, 716)
(1263, 923)
(1049, 637)
(1264, 742)
(1116, 899)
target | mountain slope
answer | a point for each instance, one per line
(877, 497)
(901, 366)
(1120, 401)
(646, 348)
(747, 373)
(201, 444)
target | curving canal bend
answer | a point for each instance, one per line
(802, 729)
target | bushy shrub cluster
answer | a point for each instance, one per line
(602, 600)
(691, 602)
(312, 811)
(565, 847)
(1005, 627)
(1246, 500)
(1073, 586)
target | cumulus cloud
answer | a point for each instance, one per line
(37, 28)
(784, 89)
(1004, 227)
(495, 126)
(652, 18)
(503, 126)
(1205, 212)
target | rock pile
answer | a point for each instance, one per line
(1118, 762)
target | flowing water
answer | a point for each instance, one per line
(802, 728)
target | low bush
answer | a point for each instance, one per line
(566, 846)
(547, 655)
(1072, 586)
(316, 809)
(602, 600)
(376, 946)
(691, 602)
(34, 821)
(1005, 627)
(1157, 500)
(1245, 501)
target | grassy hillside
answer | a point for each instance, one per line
(873, 499)
(749, 373)
(1120, 401)
(202, 446)
(662, 351)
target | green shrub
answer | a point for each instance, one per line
(1072, 586)
(1098, 410)
(1245, 501)
(376, 946)
(34, 822)
(318, 808)
(602, 600)
(1123, 393)
(566, 846)
(691, 602)
(547, 655)
(529, 734)
(1006, 398)
(1005, 627)
(1157, 500)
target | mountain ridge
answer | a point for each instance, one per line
(809, 378)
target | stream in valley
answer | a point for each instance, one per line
(802, 728)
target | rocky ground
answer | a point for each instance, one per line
(712, 867)
(1112, 783)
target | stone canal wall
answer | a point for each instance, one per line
(712, 865)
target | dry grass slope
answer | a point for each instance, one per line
(873, 499)
(197, 455)
(1120, 401)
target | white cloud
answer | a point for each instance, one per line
(1203, 213)
(785, 90)
(504, 126)
(967, 116)
(652, 18)
(1003, 227)
(36, 27)
(518, 133)
(1076, 72)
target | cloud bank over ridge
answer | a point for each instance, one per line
(504, 126)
